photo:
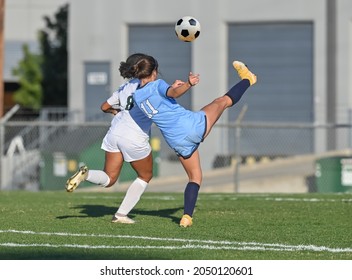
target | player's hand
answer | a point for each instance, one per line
(193, 79)
(177, 84)
(114, 111)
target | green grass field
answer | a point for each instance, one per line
(58, 225)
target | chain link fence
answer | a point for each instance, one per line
(41, 154)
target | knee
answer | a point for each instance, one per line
(196, 179)
(111, 182)
(147, 176)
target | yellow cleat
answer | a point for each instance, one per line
(122, 220)
(186, 221)
(244, 73)
(76, 179)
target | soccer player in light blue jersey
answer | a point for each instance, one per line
(183, 129)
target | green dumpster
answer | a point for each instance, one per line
(333, 174)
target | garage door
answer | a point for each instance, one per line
(281, 54)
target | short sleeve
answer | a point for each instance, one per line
(163, 87)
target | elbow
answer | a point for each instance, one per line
(104, 106)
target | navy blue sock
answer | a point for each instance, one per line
(190, 197)
(236, 92)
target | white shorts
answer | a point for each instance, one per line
(126, 137)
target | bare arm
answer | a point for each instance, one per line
(179, 87)
(106, 108)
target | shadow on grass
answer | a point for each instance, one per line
(95, 211)
(77, 254)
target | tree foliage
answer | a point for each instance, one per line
(30, 93)
(43, 77)
(53, 43)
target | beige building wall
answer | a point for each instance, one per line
(23, 18)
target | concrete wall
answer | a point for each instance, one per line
(343, 65)
(23, 18)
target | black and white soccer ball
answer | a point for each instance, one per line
(187, 29)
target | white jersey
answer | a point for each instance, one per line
(121, 99)
(124, 134)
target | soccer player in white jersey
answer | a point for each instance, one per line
(127, 140)
(182, 129)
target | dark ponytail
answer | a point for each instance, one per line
(138, 66)
(128, 69)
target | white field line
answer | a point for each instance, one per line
(221, 196)
(197, 244)
(306, 199)
(164, 197)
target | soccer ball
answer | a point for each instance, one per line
(187, 29)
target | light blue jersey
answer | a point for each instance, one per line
(182, 129)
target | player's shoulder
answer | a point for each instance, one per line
(162, 87)
(131, 85)
(134, 82)
(161, 81)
